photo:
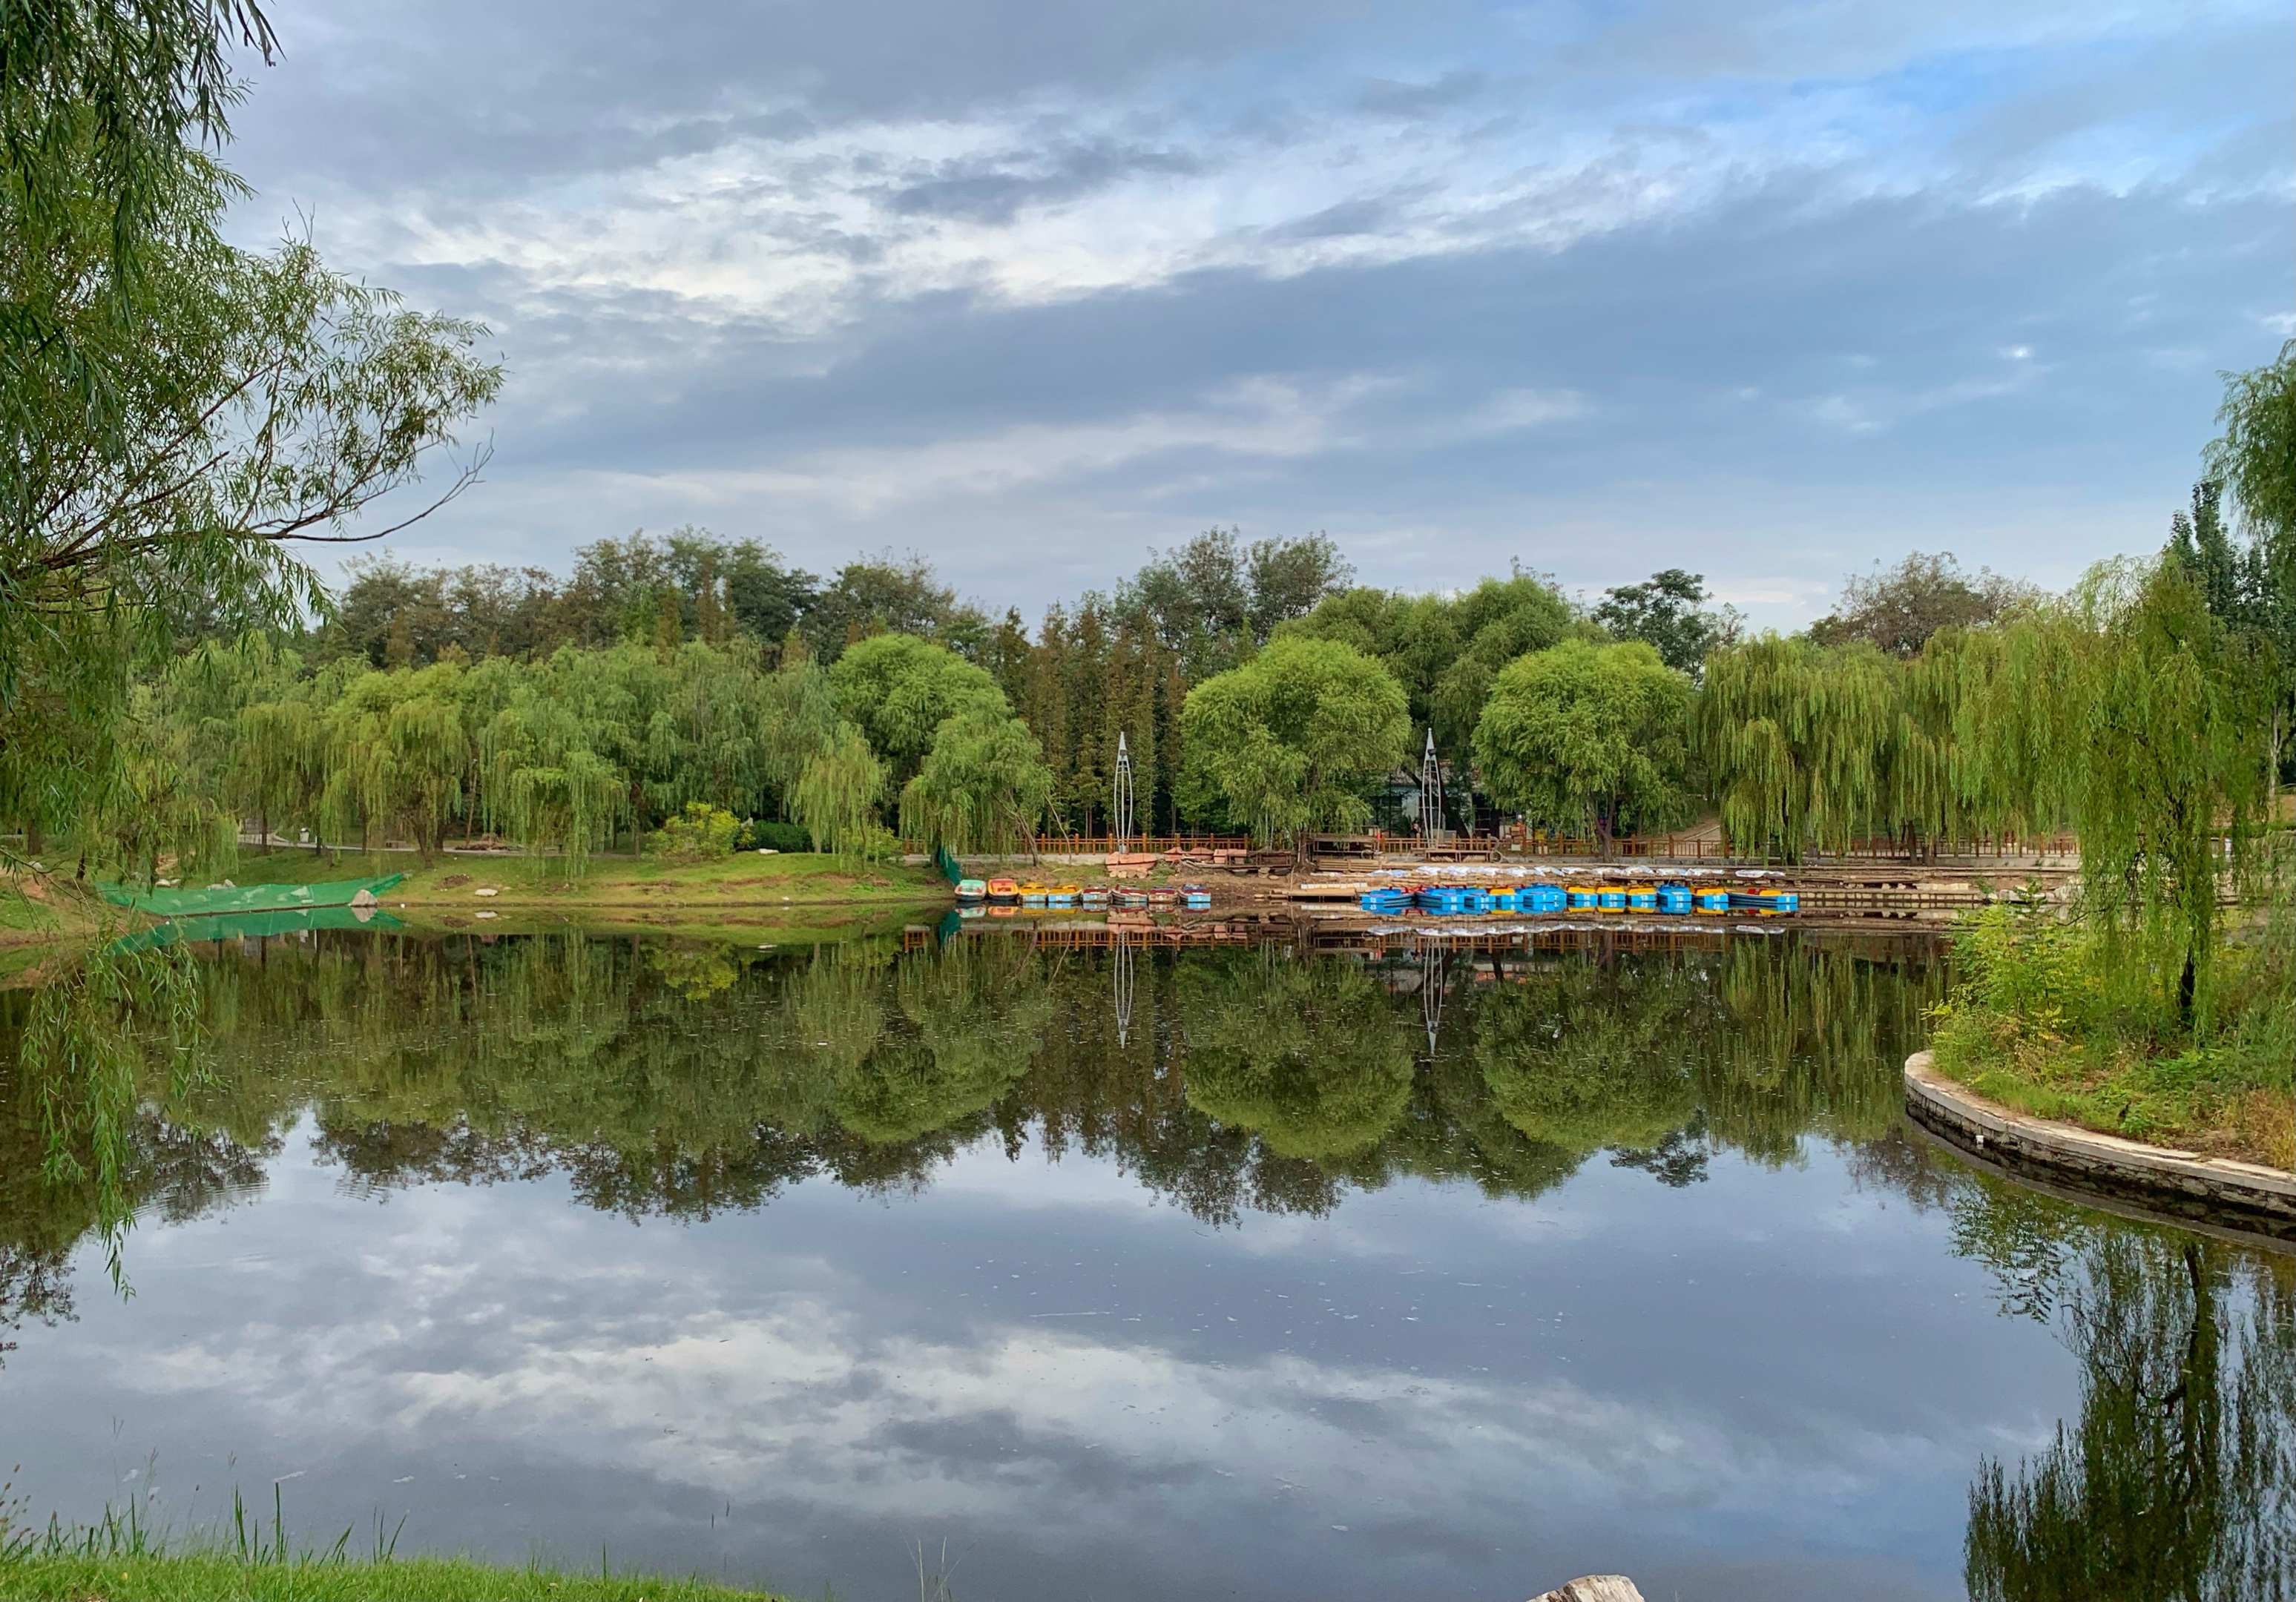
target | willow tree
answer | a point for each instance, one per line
(175, 411)
(984, 786)
(2167, 742)
(1983, 747)
(836, 794)
(546, 784)
(1587, 736)
(1798, 741)
(2254, 459)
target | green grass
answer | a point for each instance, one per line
(120, 1558)
(225, 1577)
(793, 879)
(2052, 1020)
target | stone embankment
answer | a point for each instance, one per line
(2182, 1184)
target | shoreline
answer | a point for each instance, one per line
(2179, 1186)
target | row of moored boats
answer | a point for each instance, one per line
(1015, 893)
(1485, 900)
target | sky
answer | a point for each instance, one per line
(1769, 290)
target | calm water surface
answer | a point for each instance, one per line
(1249, 1273)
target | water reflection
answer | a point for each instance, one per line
(2178, 1479)
(1720, 1117)
(684, 1078)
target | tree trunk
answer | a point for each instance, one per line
(34, 841)
(2184, 984)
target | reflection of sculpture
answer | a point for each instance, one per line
(1307, 1054)
(1119, 969)
(2179, 1481)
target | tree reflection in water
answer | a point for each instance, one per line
(2177, 1481)
(687, 1079)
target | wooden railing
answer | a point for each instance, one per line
(1706, 848)
(1101, 844)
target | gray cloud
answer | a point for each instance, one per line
(1765, 289)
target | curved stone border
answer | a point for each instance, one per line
(2182, 1184)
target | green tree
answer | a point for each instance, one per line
(1797, 740)
(1497, 621)
(983, 787)
(836, 794)
(2255, 461)
(1898, 610)
(2168, 712)
(1292, 740)
(899, 690)
(1670, 614)
(1585, 735)
(173, 411)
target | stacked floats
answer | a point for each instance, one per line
(1483, 901)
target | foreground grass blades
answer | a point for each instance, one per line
(225, 1577)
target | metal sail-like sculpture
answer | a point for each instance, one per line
(1119, 809)
(1431, 792)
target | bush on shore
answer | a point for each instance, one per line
(2066, 1017)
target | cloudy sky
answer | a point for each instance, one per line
(1768, 288)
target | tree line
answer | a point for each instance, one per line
(178, 413)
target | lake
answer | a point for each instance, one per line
(1056, 1271)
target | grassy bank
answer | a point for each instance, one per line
(225, 1577)
(652, 892)
(2052, 1017)
(37, 911)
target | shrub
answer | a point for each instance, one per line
(771, 834)
(700, 834)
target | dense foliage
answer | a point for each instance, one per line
(1588, 739)
(1290, 741)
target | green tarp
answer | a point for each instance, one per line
(246, 898)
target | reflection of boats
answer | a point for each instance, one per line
(971, 889)
(1196, 897)
(1003, 892)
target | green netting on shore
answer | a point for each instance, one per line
(247, 898)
